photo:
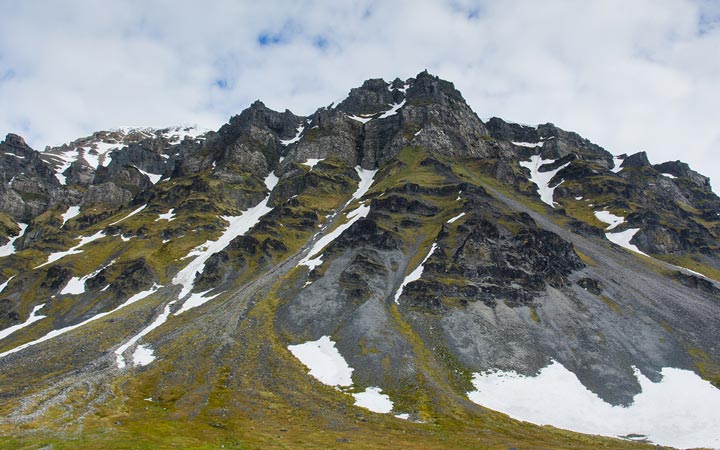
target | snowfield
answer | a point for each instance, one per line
(682, 410)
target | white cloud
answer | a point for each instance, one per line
(630, 76)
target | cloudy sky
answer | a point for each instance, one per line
(629, 75)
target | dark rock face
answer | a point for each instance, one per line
(402, 204)
(508, 131)
(27, 182)
(107, 194)
(57, 277)
(251, 140)
(327, 133)
(559, 143)
(636, 160)
(681, 169)
(134, 276)
(366, 232)
(370, 98)
(498, 266)
(79, 174)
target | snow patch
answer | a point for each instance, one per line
(609, 218)
(456, 218)
(623, 238)
(669, 175)
(394, 108)
(373, 400)
(159, 320)
(679, 411)
(54, 333)
(616, 164)
(76, 285)
(353, 216)
(542, 179)
(100, 155)
(169, 216)
(196, 299)
(71, 212)
(415, 274)
(297, 137)
(178, 133)
(143, 355)
(361, 119)
(73, 250)
(328, 366)
(404, 88)
(4, 285)
(325, 362)
(312, 162)
(529, 144)
(9, 247)
(154, 178)
(32, 318)
(366, 181)
(129, 215)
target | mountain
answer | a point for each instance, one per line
(369, 275)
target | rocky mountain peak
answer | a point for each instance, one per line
(13, 140)
(395, 233)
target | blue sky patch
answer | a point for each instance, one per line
(266, 39)
(320, 42)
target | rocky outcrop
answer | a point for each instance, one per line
(682, 170)
(372, 97)
(636, 160)
(27, 182)
(509, 131)
(251, 141)
(107, 194)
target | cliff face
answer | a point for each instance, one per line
(426, 245)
